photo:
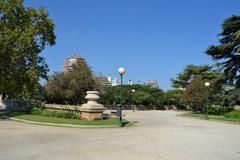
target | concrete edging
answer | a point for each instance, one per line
(213, 120)
(63, 125)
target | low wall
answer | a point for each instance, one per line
(17, 105)
(59, 107)
(236, 107)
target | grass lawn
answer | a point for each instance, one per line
(37, 118)
(210, 117)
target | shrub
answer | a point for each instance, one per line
(55, 114)
(218, 110)
(36, 111)
(234, 114)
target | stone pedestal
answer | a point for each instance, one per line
(92, 110)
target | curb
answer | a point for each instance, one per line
(213, 120)
(63, 125)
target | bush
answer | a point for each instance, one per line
(36, 111)
(234, 114)
(218, 110)
(55, 114)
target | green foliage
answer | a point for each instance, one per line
(189, 73)
(143, 95)
(213, 117)
(24, 33)
(229, 48)
(70, 87)
(106, 94)
(232, 97)
(218, 110)
(194, 95)
(172, 97)
(55, 114)
(113, 122)
(234, 114)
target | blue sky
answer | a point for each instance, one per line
(152, 39)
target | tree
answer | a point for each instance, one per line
(216, 78)
(232, 98)
(172, 97)
(194, 96)
(70, 87)
(228, 51)
(143, 95)
(24, 33)
(189, 73)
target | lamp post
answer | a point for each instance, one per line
(121, 72)
(110, 97)
(207, 84)
(133, 91)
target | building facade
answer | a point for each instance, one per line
(153, 83)
(102, 80)
(71, 61)
(106, 81)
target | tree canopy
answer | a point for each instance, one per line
(193, 71)
(151, 98)
(24, 33)
(194, 95)
(70, 87)
(228, 51)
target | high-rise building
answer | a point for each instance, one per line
(71, 61)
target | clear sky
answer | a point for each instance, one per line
(152, 39)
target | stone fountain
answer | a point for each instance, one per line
(92, 110)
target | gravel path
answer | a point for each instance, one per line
(159, 135)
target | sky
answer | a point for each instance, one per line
(151, 39)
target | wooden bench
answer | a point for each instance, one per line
(114, 113)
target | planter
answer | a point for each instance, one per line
(92, 110)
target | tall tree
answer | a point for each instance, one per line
(228, 51)
(216, 78)
(194, 96)
(24, 33)
(70, 87)
(191, 72)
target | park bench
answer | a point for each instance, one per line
(116, 113)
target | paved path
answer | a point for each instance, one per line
(159, 135)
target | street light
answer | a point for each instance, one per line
(110, 96)
(133, 91)
(121, 72)
(207, 84)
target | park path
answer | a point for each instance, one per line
(159, 135)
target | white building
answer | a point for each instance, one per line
(153, 83)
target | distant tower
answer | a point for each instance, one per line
(72, 60)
